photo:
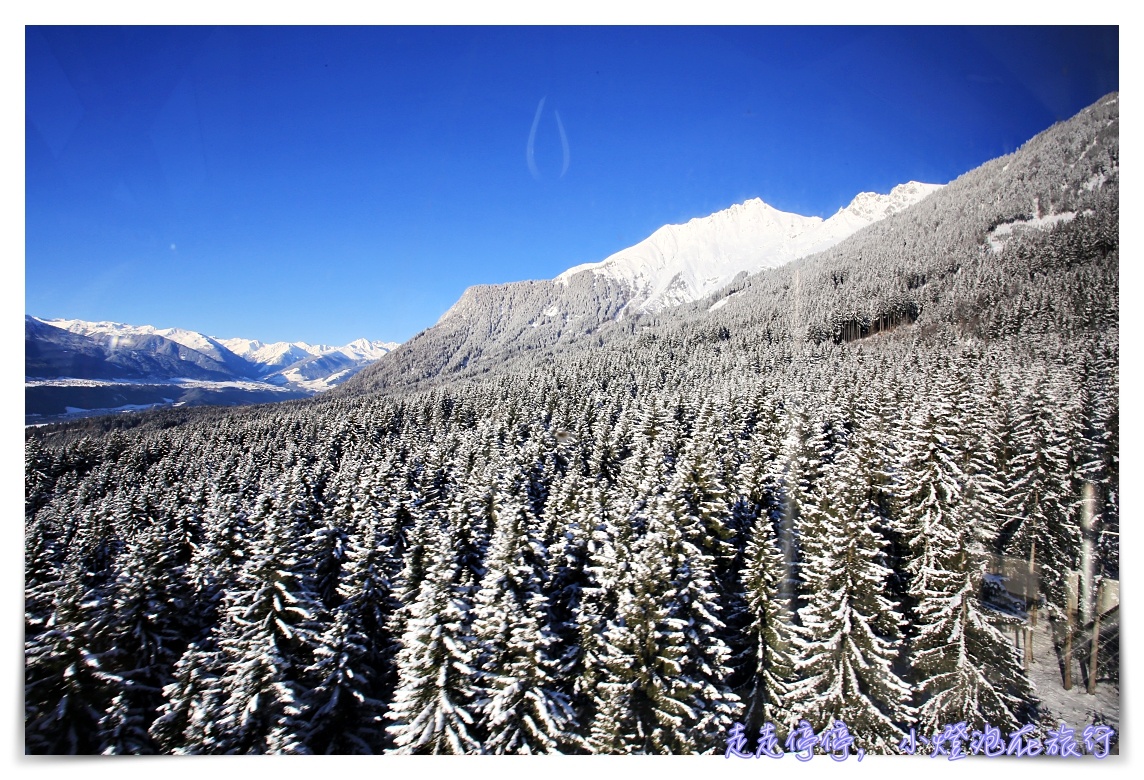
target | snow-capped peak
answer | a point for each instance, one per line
(680, 263)
(212, 348)
(364, 349)
(270, 357)
(871, 207)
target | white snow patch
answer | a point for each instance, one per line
(1001, 233)
(1096, 181)
(1075, 707)
(719, 304)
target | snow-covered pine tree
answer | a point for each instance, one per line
(567, 574)
(607, 544)
(123, 728)
(327, 548)
(266, 642)
(641, 704)
(966, 669)
(1043, 528)
(770, 631)
(697, 533)
(180, 725)
(216, 561)
(848, 640)
(434, 704)
(366, 590)
(930, 486)
(340, 713)
(66, 690)
(522, 709)
(145, 612)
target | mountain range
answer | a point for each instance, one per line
(78, 368)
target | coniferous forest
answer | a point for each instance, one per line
(785, 508)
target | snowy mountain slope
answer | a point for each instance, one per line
(123, 352)
(681, 263)
(675, 265)
(158, 363)
(270, 357)
(874, 279)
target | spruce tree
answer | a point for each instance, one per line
(433, 709)
(522, 709)
(266, 642)
(849, 637)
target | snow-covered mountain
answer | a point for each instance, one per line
(76, 367)
(675, 265)
(681, 263)
(281, 355)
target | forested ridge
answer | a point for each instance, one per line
(782, 508)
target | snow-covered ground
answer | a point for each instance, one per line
(1075, 707)
(1001, 233)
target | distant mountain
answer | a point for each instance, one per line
(77, 368)
(675, 265)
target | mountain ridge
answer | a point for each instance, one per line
(675, 265)
(75, 367)
(680, 263)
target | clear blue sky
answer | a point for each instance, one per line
(325, 184)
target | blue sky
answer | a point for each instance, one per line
(324, 184)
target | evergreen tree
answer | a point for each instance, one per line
(66, 689)
(848, 641)
(967, 670)
(770, 632)
(340, 713)
(180, 725)
(435, 701)
(144, 613)
(521, 709)
(266, 643)
(1043, 528)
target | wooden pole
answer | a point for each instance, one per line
(1068, 654)
(1095, 640)
(1031, 585)
(1070, 609)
